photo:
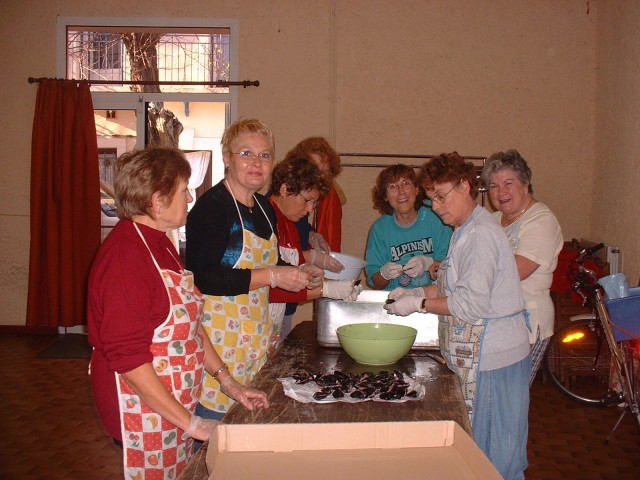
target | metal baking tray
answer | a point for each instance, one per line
(368, 308)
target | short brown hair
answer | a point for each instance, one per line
(449, 167)
(141, 173)
(319, 146)
(391, 174)
(299, 174)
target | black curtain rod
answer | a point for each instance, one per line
(401, 155)
(244, 83)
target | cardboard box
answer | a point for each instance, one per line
(385, 450)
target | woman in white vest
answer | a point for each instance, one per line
(535, 238)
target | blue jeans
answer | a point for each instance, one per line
(501, 417)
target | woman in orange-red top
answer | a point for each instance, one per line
(328, 215)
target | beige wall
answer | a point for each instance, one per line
(401, 76)
(616, 209)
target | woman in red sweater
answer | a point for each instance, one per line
(144, 318)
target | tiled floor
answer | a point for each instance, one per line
(49, 428)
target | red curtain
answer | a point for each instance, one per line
(65, 196)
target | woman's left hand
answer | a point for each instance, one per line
(404, 306)
(318, 242)
(325, 261)
(249, 398)
(433, 269)
(316, 275)
(418, 265)
(398, 292)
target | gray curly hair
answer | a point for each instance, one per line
(510, 159)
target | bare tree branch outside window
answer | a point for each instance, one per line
(150, 56)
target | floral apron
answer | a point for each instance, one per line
(460, 341)
(153, 448)
(239, 326)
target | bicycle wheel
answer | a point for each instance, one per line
(578, 362)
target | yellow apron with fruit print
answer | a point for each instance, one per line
(239, 326)
(153, 448)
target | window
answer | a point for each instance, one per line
(177, 54)
(112, 51)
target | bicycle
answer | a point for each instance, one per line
(584, 354)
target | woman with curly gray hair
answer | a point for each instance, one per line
(535, 238)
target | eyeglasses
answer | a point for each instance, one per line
(395, 187)
(439, 199)
(309, 201)
(249, 155)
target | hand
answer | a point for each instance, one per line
(316, 275)
(249, 398)
(433, 269)
(325, 261)
(416, 266)
(390, 270)
(396, 293)
(318, 242)
(200, 428)
(341, 290)
(405, 305)
(292, 279)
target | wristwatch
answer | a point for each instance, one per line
(423, 306)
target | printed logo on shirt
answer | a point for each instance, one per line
(424, 246)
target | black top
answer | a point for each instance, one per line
(214, 240)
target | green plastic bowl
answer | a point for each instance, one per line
(376, 343)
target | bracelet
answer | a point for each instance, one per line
(272, 278)
(218, 371)
(423, 306)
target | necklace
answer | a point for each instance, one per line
(250, 202)
(506, 223)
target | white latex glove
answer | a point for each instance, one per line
(391, 270)
(249, 398)
(341, 290)
(405, 305)
(396, 293)
(416, 266)
(325, 261)
(200, 428)
(292, 279)
(318, 242)
(316, 275)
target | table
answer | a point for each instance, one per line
(442, 401)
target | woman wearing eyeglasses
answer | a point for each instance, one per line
(408, 241)
(232, 251)
(297, 184)
(326, 233)
(482, 330)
